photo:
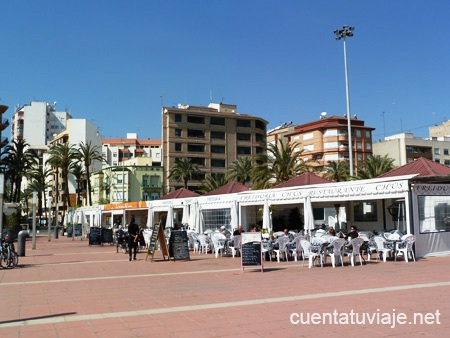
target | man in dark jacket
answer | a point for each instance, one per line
(133, 238)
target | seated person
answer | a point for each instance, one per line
(224, 231)
(331, 231)
(238, 231)
(353, 233)
(288, 234)
(321, 231)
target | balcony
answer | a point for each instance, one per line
(151, 185)
(3, 141)
(4, 123)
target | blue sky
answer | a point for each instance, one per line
(115, 62)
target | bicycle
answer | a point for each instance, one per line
(8, 255)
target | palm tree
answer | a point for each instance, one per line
(62, 157)
(374, 166)
(240, 170)
(337, 171)
(78, 171)
(184, 169)
(88, 154)
(38, 182)
(212, 182)
(281, 163)
(19, 160)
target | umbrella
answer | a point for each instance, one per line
(185, 218)
(234, 215)
(98, 218)
(267, 221)
(150, 218)
(200, 224)
(308, 213)
(169, 218)
(193, 215)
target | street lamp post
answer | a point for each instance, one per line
(347, 31)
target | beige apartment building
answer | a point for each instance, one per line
(326, 140)
(213, 137)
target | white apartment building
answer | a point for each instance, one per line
(37, 123)
(116, 150)
(405, 148)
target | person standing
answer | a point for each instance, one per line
(133, 238)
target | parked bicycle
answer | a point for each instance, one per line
(121, 241)
(8, 255)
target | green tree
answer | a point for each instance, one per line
(212, 182)
(183, 170)
(18, 161)
(337, 171)
(38, 182)
(88, 154)
(77, 170)
(240, 170)
(281, 163)
(374, 166)
(61, 158)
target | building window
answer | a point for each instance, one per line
(177, 132)
(260, 138)
(445, 151)
(308, 136)
(243, 123)
(198, 160)
(145, 180)
(196, 148)
(434, 213)
(309, 147)
(243, 137)
(358, 145)
(367, 134)
(178, 118)
(330, 132)
(360, 158)
(368, 146)
(259, 150)
(447, 162)
(437, 160)
(244, 150)
(178, 147)
(220, 135)
(358, 133)
(260, 125)
(216, 149)
(196, 119)
(195, 133)
(437, 151)
(217, 121)
(365, 212)
(217, 163)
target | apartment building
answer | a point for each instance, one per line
(405, 148)
(213, 137)
(326, 140)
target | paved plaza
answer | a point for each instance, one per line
(66, 288)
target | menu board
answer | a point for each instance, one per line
(251, 253)
(107, 236)
(158, 235)
(95, 236)
(78, 230)
(179, 245)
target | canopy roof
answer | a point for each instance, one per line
(180, 193)
(232, 187)
(423, 167)
(303, 179)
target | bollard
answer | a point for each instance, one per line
(56, 231)
(21, 242)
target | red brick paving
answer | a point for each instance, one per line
(63, 280)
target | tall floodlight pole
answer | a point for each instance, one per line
(342, 34)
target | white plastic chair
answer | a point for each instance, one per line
(147, 235)
(204, 243)
(267, 247)
(193, 241)
(356, 250)
(338, 245)
(235, 249)
(381, 248)
(218, 240)
(308, 254)
(282, 242)
(405, 247)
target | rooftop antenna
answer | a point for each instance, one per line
(210, 96)
(161, 96)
